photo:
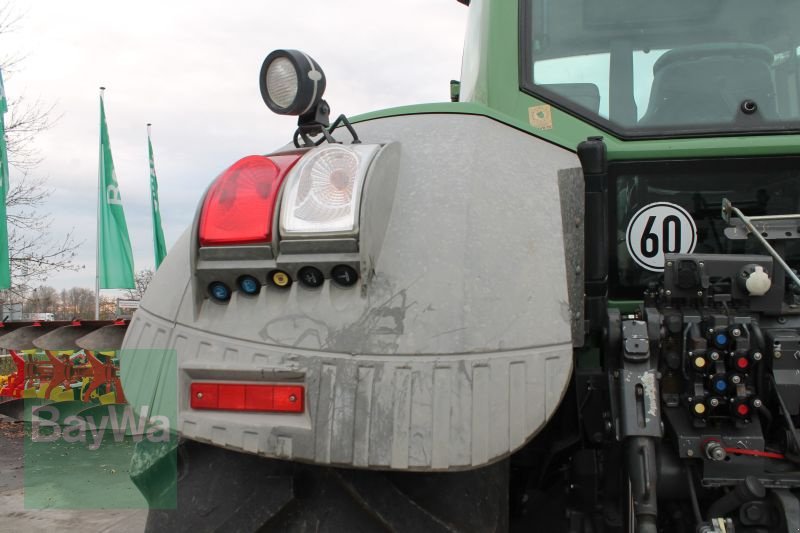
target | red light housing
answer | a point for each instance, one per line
(247, 397)
(742, 409)
(742, 363)
(240, 204)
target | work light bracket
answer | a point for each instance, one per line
(317, 122)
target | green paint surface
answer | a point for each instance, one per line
(490, 87)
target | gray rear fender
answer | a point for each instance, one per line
(453, 349)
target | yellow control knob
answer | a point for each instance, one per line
(700, 362)
(281, 279)
(699, 408)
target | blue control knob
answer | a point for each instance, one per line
(219, 291)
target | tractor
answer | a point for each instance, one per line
(566, 300)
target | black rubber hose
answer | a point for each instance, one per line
(761, 346)
(766, 417)
(698, 517)
(692, 331)
(748, 490)
(759, 337)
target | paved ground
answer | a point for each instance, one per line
(15, 518)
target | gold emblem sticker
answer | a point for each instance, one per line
(541, 117)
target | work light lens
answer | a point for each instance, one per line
(324, 191)
(249, 285)
(291, 83)
(282, 82)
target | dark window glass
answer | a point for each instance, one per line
(667, 68)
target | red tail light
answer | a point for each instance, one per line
(239, 206)
(247, 397)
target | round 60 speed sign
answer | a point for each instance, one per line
(658, 229)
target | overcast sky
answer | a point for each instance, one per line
(191, 68)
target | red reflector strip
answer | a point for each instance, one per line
(231, 397)
(247, 397)
(205, 395)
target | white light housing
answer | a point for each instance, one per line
(322, 196)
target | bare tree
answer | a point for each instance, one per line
(9, 22)
(44, 299)
(28, 118)
(34, 251)
(143, 279)
(77, 302)
(108, 308)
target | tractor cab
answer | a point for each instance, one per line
(655, 69)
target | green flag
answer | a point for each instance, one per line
(3, 151)
(114, 256)
(158, 232)
(5, 269)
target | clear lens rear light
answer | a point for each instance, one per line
(323, 192)
(239, 206)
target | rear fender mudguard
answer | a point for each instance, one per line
(453, 349)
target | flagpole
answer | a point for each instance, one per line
(5, 265)
(97, 248)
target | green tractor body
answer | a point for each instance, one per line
(519, 308)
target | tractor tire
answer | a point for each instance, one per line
(221, 490)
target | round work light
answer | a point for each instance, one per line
(291, 82)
